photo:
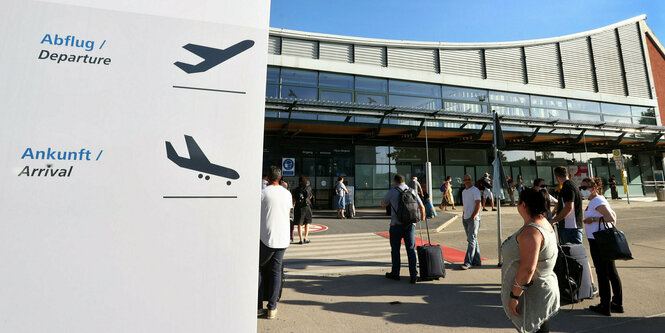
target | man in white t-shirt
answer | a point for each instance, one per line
(471, 200)
(276, 204)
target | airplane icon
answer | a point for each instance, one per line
(212, 56)
(197, 161)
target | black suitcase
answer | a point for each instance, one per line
(578, 252)
(430, 259)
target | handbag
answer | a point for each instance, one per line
(612, 242)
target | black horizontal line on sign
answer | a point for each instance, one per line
(209, 89)
(200, 197)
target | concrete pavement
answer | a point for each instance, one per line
(465, 301)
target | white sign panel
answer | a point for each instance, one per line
(131, 148)
(288, 166)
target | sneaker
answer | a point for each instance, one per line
(261, 313)
(616, 308)
(392, 276)
(601, 310)
(272, 314)
(465, 267)
(414, 279)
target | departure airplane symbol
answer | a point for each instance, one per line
(212, 56)
(198, 161)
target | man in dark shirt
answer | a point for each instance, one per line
(613, 188)
(569, 209)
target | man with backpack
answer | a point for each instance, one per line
(406, 210)
(302, 211)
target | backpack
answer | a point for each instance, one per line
(301, 197)
(480, 185)
(408, 211)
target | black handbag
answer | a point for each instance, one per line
(612, 243)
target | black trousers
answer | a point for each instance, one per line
(607, 274)
(270, 261)
(615, 194)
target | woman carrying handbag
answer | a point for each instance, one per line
(599, 216)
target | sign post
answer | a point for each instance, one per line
(131, 147)
(288, 166)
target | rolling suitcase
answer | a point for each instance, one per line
(430, 258)
(578, 252)
(569, 276)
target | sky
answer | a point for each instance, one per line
(461, 20)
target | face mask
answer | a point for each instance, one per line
(585, 193)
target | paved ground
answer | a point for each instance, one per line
(335, 284)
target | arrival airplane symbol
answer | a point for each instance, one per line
(198, 161)
(212, 56)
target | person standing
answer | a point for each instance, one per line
(471, 221)
(415, 185)
(540, 184)
(402, 230)
(276, 204)
(302, 211)
(613, 187)
(340, 196)
(606, 270)
(528, 277)
(487, 192)
(447, 189)
(511, 190)
(519, 184)
(569, 209)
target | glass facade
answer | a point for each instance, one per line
(312, 85)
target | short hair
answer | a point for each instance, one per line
(399, 178)
(561, 172)
(274, 174)
(302, 178)
(537, 181)
(536, 201)
(340, 178)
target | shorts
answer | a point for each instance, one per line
(339, 202)
(302, 215)
(488, 194)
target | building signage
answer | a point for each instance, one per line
(132, 145)
(288, 166)
(618, 159)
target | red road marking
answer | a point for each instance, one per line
(312, 228)
(450, 254)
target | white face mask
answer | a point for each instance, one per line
(585, 193)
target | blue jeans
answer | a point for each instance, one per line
(408, 233)
(573, 236)
(472, 257)
(270, 264)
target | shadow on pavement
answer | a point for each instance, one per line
(468, 305)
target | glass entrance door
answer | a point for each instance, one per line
(323, 183)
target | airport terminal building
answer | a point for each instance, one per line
(363, 108)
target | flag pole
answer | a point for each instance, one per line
(498, 206)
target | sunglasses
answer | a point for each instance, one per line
(584, 187)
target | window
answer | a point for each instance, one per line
(272, 90)
(466, 156)
(644, 120)
(415, 102)
(372, 176)
(509, 98)
(617, 119)
(371, 99)
(294, 92)
(578, 105)
(584, 116)
(416, 89)
(511, 111)
(549, 113)
(336, 96)
(548, 102)
(273, 75)
(367, 154)
(371, 84)
(299, 77)
(465, 94)
(618, 109)
(339, 81)
(464, 107)
(643, 111)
